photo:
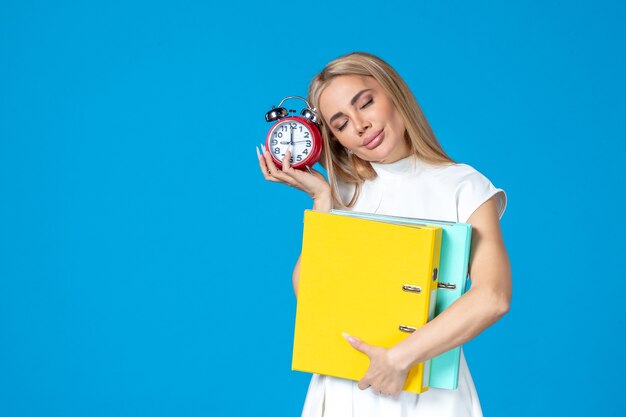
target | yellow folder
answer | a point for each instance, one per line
(373, 280)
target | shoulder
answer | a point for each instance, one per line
(468, 185)
(451, 174)
(452, 177)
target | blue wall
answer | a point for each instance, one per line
(145, 263)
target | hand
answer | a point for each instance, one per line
(313, 183)
(384, 376)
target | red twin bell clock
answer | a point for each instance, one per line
(300, 134)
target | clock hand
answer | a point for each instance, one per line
(285, 143)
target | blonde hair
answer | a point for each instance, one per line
(340, 164)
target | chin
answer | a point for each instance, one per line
(380, 156)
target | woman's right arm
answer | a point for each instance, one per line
(322, 205)
(313, 183)
(295, 278)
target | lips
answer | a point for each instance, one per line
(373, 140)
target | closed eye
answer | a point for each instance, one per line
(370, 101)
(343, 126)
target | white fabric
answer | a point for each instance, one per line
(410, 188)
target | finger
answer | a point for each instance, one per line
(269, 162)
(275, 174)
(363, 384)
(287, 160)
(358, 344)
(262, 164)
(292, 174)
(272, 170)
(265, 170)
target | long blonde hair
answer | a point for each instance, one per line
(340, 164)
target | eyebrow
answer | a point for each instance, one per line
(354, 99)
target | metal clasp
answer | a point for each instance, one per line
(411, 288)
(406, 329)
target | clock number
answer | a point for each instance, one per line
(294, 125)
(308, 143)
(276, 150)
(279, 134)
(299, 158)
(284, 127)
(306, 135)
(274, 142)
(306, 151)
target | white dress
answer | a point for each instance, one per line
(409, 188)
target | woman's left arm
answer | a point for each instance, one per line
(485, 303)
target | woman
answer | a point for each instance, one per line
(382, 157)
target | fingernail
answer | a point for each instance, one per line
(263, 147)
(348, 337)
(258, 152)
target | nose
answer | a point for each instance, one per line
(361, 125)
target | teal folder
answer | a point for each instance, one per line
(453, 268)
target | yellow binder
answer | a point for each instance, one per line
(373, 280)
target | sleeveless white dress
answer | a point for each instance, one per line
(409, 188)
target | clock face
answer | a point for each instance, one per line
(293, 135)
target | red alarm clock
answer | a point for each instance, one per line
(300, 134)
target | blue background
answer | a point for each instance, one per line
(145, 264)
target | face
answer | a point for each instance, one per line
(363, 118)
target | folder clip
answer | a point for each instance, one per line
(446, 286)
(406, 329)
(411, 288)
